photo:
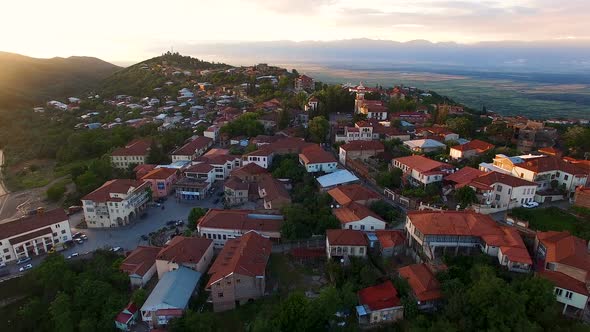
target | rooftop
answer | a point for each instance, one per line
(159, 174)
(379, 297)
(346, 237)
(140, 260)
(352, 193)
(424, 144)
(191, 147)
(116, 186)
(362, 146)
(337, 178)
(491, 178)
(314, 154)
(31, 223)
(421, 164)
(138, 147)
(390, 238)
(182, 249)
(241, 219)
(174, 290)
(475, 144)
(564, 248)
(463, 176)
(421, 279)
(354, 212)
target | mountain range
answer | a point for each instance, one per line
(26, 81)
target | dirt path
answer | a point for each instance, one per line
(3, 190)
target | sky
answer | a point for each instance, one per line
(125, 31)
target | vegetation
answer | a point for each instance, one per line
(386, 211)
(319, 128)
(194, 216)
(465, 196)
(287, 167)
(56, 191)
(245, 125)
(390, 179)
(553, 219)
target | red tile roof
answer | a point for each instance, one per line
(566, 282)
(464, 176)
(200, 168)
(245, 220)
(479, 146)
(118, 186)
(235, 183)
(379, 297)
(491, 178)
(551, 163)
(161, 173)
(352, 193)
(29, 236)
(138, 147)
(273, 188)
(363, 146)
(248, 170)
(390, 238)
(191, 147)
(182, 249)
(564, 248)
(31, 223)
(469, 223)
(314, 154)
(246, 255)
(346, 237)
(140, 260)
(127, 313)
(354, 212)
(421, 164)
(424, 284)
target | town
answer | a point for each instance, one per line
(185, 195)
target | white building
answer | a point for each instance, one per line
(316, 159)
(425, 145)
(420, 170)
(115, 203)
(212, 132)
(358, 217)
(345, 242)
(192, 149)
(134, 153)
(33, 235)
(503, 191)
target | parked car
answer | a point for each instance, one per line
(25, 268)
(84, 236)
(179, 223)
(73, 255)
(76, 235)
(2, 264)
(530, 205)
(116, 249)
(23, 260)
(78, 240)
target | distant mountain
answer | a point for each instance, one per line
(142, 78)
(26, 81)
(542, 56)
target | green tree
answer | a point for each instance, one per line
(139, 296)
(156, 155)
(318, 129)
(61, 313)
(194, 215)
(284, 119)
(465, 196)
(577, 140)
(461, 125)
(390, 179)
(56, 192)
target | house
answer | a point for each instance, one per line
(546, 169)
(221, 225)
(140, 265)
(420, 170)
(249, 173)
(335, 179)
(437, 133)
(222, 161)
(462, 177)
(470, 149)
(345, 242)
(33, 235)
(238, 274)
(271, 146)
(434, 233)
(127, 317)
(362, 150)
(373, 109)
(236, 191)
(212, 132)
(425, 145)
(116, 203)
(358, 217)
(416, 118)
(362, 131)
(170, 297)
(161, 180)
(582, 197)
(425, 288)
(191, 252)
(142, 169)
(196, 182)
(261, 157)
(134, 153)
(274, 194)
(502, 191)
(564, 260)
(379, 304)
(304, 82)
(193, 149)
(391, 242)
(349, 193)
(315, 159)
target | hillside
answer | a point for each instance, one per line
(26, 81)
(142, 78)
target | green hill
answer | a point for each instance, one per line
(26, 81)
(142, 78)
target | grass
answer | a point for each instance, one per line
(290, 276)
(553, 219)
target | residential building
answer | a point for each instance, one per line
(362, 131)
(194, 253)
(415, 118)
(502, 191)
(196, 182)
(222, 225)
(349, 193)
(437, 133)
(582, 197)
(315, 159)
(249, 173)
(335, 179)
(379, 304)
(342, 243)
(564, 259)
(140, 265)
(425, 145)
(462, 177)
(161, 180)
(222, 161)
(212, 132)
(142, 169)
(33, 235)
(134, 153)
(193, 149)
(271, 146)
(420, 170)
(304, 83)
(425, 288)
(373, 109)
(358, 217)
(238, 274)
(433, 233)
(362, 150)
(236, 191)
(273, 193)
(170, 297)
(548, 168)
(391, 242)
(127, 317)
(116, 203)
(261, 157)
(470, 149)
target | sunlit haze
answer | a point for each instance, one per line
(125, 31)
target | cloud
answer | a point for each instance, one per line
(287, 7)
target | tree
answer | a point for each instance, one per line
(385, 211)
(139, 296)
(61, 313)
(318, 129)
(284, 119)
(465, 196)
(577, 140)
(194, 215)
(461, 125)
(155, 155)
(390, 179)
(56, 192)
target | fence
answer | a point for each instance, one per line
(316, 242)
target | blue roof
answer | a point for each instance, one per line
(361, 310)
(174, 290)
(336, 178)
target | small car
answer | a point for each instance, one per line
(23, 260)
(116, 249)
(84, 236)
(25, 268)
(76, 235)
(78, 240)
(73, 255)
(530, 205)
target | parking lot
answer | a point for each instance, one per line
(129, 237)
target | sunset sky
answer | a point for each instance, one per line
(130, 30)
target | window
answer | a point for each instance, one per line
(569, 295)
(5, 251)
(229, 282)
(499, 188)
(55, 234)
(224, 236)
(361, 250)
(362, 227)
(63, 231)
(7, 257)
(237, 281)
(558, 291)
(509, 191)
(565, 177)
(219, 294)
